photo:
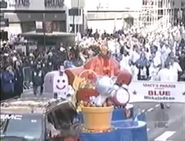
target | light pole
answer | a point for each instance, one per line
(44, 28)
(78, 26)
(179, 16)
(74, 23)
(74, 12)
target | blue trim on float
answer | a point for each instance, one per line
(123, 131)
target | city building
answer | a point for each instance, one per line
(39, 18)
(163, 12)
(29, 15)
(117, 14)
(24, 15)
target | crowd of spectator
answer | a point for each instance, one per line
(143, 52)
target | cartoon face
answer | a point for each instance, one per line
(61, 82)
(121, 97)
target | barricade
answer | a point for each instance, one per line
(27, 77)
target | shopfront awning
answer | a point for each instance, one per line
(34, 33)
(53, 38)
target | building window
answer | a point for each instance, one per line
(148, 2)
(182, 4)
(160, 3)
(28, 26)
(55, 26)
(59, 26)
(48, 27)
(160, 13)
(144, 2)
(173, 3)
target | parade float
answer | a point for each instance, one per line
(99, 90)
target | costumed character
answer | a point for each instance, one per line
(18, 82)
(56, 82)
(102, 65)
(110, 92)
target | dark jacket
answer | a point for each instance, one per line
(18, 81)
(38, 77)
(7, 81)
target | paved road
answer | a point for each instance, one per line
(175, 116)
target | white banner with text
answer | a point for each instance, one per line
(147, 91)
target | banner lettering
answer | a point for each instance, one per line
(146, 91)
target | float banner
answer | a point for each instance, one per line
(146, 91)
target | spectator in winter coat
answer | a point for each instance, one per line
(38, 79)
(143, 65)
(7, 83)
(18, 79)
(182, 65)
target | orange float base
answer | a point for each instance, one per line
(97, 118)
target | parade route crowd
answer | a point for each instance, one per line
(149, 54)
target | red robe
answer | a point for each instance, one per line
(103, 66)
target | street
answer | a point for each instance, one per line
(173, 116)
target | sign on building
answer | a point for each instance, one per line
(3, 4)
(54, 3)
(19, 3)
(4, 22)
(36, 5)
